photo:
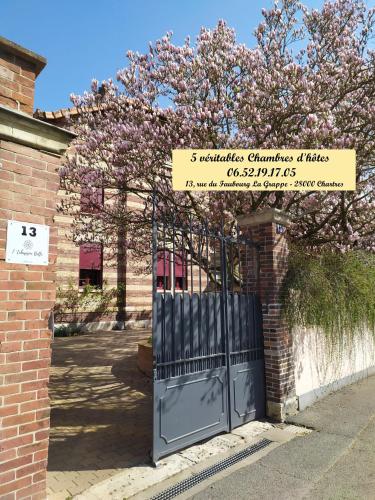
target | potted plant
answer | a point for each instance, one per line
(145, 357)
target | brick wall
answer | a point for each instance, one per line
(18, 69)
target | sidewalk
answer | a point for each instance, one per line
(336, 461)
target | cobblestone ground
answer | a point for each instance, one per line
(101, 410)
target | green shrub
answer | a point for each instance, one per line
(72, 299)
(334, 293)
(67, 330)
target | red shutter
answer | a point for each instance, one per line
(164, 266)
(90, 256)
(179, 266)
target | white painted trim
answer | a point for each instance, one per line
(264, 216)
(136, 324)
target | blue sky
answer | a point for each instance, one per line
(85, 39)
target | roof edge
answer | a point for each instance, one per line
(21, 128)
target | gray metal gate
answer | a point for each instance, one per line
(207, 333)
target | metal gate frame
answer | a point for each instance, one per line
(208, 374)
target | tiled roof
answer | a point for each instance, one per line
(62, 113)
(65, 113)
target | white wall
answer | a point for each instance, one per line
(321, 368)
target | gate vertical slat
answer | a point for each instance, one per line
(182, 303)
(191, 331)
(196, 327)
(212, 326)
(240, 290)
(237, 346)
(176, 327)
(216, 337)
(203, 329)
(253, 326)
(259, 326)
(208, 344)
(156, 320)
(225, 315)
(245, 333)
(182, 332)
(215, 298)
(256, 326)
(186, 307)
(173, 289)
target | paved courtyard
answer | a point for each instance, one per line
(101, 410)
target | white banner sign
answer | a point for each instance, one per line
(27, 243)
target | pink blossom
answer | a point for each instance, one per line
(218, 93)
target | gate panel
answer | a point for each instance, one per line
(190, 376)
(189, 408)
(246, 371)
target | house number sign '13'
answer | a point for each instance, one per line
(27, 243)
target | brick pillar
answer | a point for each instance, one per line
(30, 153)
(19, 67)
(267, 228)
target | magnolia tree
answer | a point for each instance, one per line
(309, 82)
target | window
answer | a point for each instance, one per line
(91, 265)
(171, 271)
(163, 280)
(180, 272)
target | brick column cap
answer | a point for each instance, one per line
(267, 215)
(36, 60)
